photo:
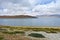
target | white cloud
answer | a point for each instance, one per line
(52, 8)
(16, 7)
(13, 9)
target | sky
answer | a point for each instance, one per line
(29, 7)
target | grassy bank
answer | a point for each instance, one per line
(28, 28)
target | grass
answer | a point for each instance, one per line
(14, 32)
(28, 28)
(19, 32)
(1, 38)
(36, 35)
(22, 29)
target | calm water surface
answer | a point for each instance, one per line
(42, 21)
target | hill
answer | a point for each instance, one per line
(18, 16)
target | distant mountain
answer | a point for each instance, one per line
(52, 15)
(58, 15)
(18, 16)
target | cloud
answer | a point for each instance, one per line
(10, 8)
(30, 7)
(51, 8)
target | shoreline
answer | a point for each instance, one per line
(32, 26)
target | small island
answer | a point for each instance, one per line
(18, 16)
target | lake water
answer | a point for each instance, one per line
(42, 21)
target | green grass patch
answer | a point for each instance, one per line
(1, 38)
(51, 32)
(19, 32)
(15, 32)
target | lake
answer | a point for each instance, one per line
(41, 21)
